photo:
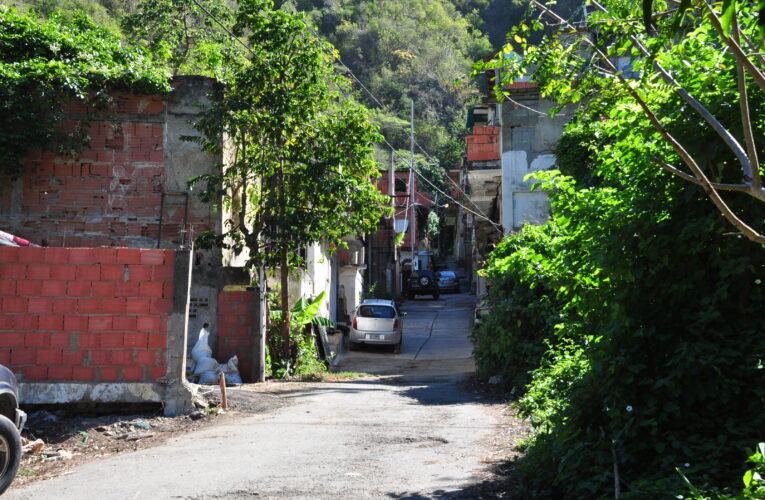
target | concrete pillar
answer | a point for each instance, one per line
(512, 161)
(177, 399)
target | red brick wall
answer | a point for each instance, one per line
(85, 314)
(483, 145)
(110, 192)
(236, 325)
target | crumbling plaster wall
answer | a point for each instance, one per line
(529, 136)
(183, 161)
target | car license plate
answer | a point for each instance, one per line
(375, 337)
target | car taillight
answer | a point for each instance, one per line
(395, 324)
(355, 323)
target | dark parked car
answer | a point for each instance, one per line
(448, 281)
(11, 422)
(423, 282)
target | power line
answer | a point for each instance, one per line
(380, 104)
(432, 160)
(377, 101)
(437, 189)
(225, 28)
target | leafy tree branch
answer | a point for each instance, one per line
(578, 62)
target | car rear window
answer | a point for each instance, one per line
(376, 312)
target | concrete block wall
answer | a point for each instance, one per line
(237, 324)
(85, 314)
(483, 144)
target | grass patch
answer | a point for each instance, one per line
(330, 376)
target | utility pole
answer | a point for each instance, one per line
(259, 368)
(392, 193)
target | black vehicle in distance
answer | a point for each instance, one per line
(423, 282)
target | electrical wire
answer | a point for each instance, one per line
(437, 189)
(427, 155)
(374, 98)
(433, 160)
(225, 28)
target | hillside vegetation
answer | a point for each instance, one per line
(398, 49)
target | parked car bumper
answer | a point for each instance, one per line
(21, 419)
(383, 338)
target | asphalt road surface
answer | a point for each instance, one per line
(416, 431)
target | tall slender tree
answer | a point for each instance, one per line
(300, 164)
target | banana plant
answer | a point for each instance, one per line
(304, 313)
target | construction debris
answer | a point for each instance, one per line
(8, 239)
(203, 369)
(28, 446)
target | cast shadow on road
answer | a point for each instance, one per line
(440, 392)
(496, 487)
(352, 387)
(444, 393)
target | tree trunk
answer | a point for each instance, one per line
(285, 276)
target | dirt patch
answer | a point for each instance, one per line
(61, 439)
(501, 449)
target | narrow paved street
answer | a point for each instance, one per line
(417, 431)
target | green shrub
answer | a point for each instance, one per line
(753, 479)
(513, 337)
(650, 313)
(45, 65)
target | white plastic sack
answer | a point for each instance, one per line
(231, 370)
(208, 378)
(202, 349)
(231, 366)
(204, 365)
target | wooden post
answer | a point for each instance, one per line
(223, 395)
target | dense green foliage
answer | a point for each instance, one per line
(186, 37)
(104, 13)
(650, 306)
(753, 480)
(46, 64)
(305, 353)
(679, 52)
(653, 317)
(402, 50)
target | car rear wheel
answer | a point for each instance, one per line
(10, 452)
(397, 347)
(353, 346)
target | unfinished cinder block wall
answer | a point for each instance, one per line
(483, 144)
(85, 314)
(237, 324)
(90, 324)
(127, 187)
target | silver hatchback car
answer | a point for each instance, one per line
(376, 321)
